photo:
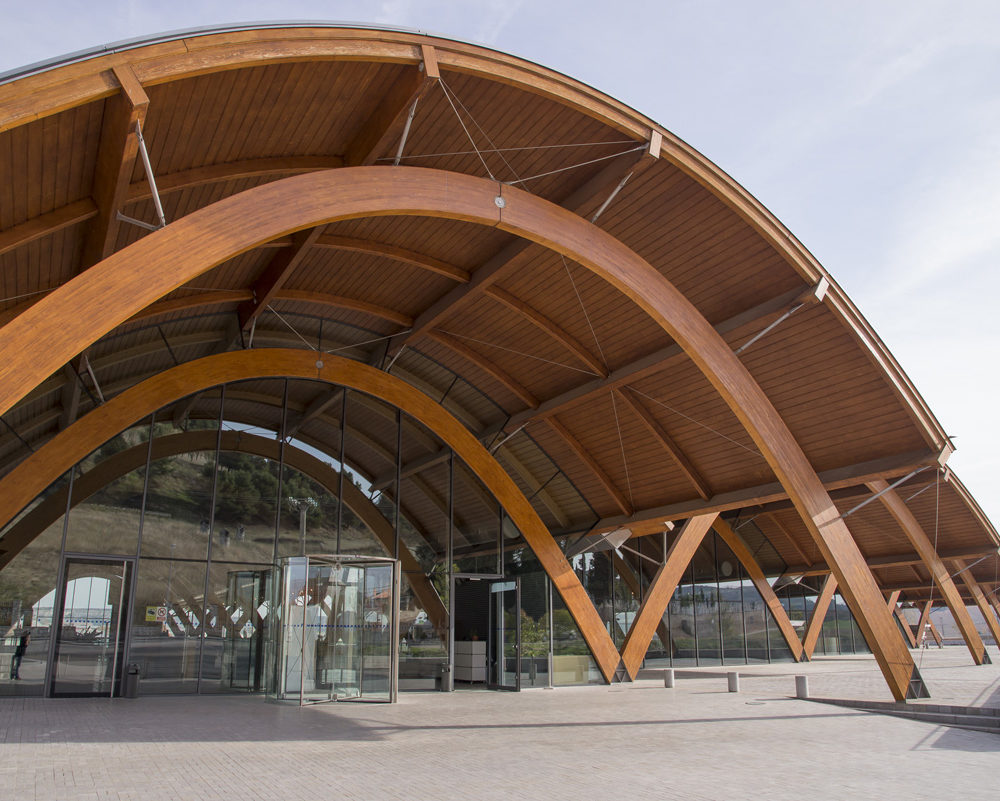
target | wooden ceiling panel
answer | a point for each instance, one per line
(635, 461)
(309, 108)
(507, 338)
(535, 135)
(462, 244)
(48, 163)
(606, 320)
(828, 392)
(704, 428)
(28, 272)
(384, 282)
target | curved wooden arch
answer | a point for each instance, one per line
(197, 53)
(31, 477)
(101, 475)
(50, 333)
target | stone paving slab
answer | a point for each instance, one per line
(637, 741)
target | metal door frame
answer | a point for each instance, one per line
(126, 597)
(501, 657)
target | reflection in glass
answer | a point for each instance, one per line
(167, 625)
(27, 597)
(329, 629)
(90, 639)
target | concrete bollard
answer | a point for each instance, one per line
(802, 687)
(734, 682)
(668, 678)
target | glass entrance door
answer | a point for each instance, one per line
(243, 661)
(504, 642)
(90, 627)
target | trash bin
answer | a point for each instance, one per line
(441, 679)
(131, 681)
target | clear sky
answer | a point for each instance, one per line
(871, 129)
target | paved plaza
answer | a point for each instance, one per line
(635, 741)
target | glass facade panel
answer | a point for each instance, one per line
(27, 600)
(167, 624)
(682, 624)
(755, 617)
(423, 631)
(245, 505)
(730, 604)
(535, 617)
(108, 520)
(179, 507)
(476, 524)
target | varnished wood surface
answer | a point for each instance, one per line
(661, 590)
(818, 615)
(990, 615)
(711, 240)
(935, 566)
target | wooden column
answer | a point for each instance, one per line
(745, 555)
(932, 561)
(818, 616)
(632, 578)
(661, 590)
(935, 634)
(980, 598)
(907, 631)
(925, 616)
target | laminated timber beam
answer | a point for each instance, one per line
(935, 566)
(582, 198)
(388, 121)
(925, 616)
(36, 472)
(124, 112)
(667, 443)
(549, 328)
(661, 590)
(231, 171)
(904, 626)
(646, 521)
(591, 464)
(743, 553)
(630, 569)
(979, 598)
(274, 275)
(818, 616)
(43, 338)
(45, 224)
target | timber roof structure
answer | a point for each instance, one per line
(602, 417)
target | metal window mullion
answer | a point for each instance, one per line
(127, 644)
(211, 536)
(450, 551)
(281, 473)
(718, 596)
(59, 599)
(343, 466)
(398, 479)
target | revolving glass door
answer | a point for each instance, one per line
(334, 636)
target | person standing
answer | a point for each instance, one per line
(22, 646)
